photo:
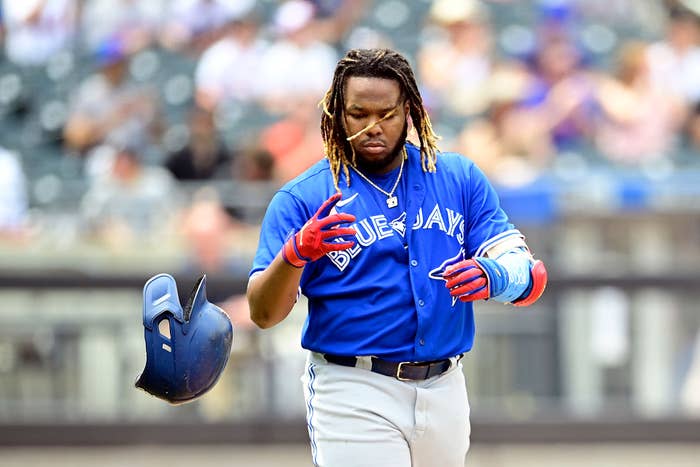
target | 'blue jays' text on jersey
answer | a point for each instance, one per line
(386, 296)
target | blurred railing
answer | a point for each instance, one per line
(71, 348)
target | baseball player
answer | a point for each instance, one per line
(391, 243)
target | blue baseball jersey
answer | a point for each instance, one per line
(386, 296)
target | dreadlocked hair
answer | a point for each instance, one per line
(372, 63)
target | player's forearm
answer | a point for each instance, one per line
(522, 278)
(508, 273)
(272, 293)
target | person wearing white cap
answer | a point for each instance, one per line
(297, 66)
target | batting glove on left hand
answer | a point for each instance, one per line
(316, 237)
(476, 279)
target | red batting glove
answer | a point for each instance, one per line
(467, 281)
(317, 237)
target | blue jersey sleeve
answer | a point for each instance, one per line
(285, 215)
(487, 223)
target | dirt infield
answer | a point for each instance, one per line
(578, 455)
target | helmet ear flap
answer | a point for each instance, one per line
(181, 365)
(160, 296)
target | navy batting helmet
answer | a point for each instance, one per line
(186, 349)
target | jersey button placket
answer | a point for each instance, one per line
(414, 263)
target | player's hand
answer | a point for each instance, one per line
(319, 235)
(475, 279)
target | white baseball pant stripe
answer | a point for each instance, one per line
(357, 418)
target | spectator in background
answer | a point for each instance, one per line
(639, 119)
(217, 244)
(674, 60)
(192, 25)
(692, 130)
(13, 196)
(297, 65)
(2, 26)
(456, 61)
(229, 69)
(37, 29)
(204, 156)
(254, 164)
(131, 201)
(135, 22)
(209, 233)
(295, 141)
(335, 19)
(561, 99)
(506, 143)
(108, 102)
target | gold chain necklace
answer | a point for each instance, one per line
(391, 201)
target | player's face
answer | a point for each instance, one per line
(376, 106)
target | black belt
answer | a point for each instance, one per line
(404, 371)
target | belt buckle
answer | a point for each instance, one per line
(398, 372)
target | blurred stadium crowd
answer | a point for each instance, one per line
(126, 113)
(159, 129)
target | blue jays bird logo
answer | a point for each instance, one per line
(439, 271)
(399, 224)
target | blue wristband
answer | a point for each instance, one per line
(509, 275)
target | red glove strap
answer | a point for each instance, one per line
(539, 281)
(290, 255)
